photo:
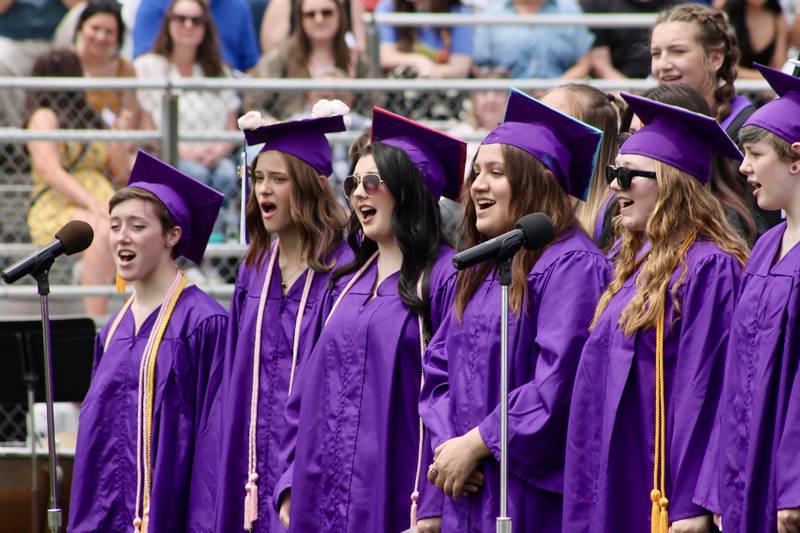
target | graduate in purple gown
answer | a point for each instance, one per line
(357, 464)
(756, 470)
(536, 160)
(148, 437)
(272, 309)
(649, 380)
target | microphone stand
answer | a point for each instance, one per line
(41, 273)
(503, 262)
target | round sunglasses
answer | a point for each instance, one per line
(371, 182)
(624, 176)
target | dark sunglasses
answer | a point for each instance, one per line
(183, 19)
(326, 13)
(371, 182)
(624, 176)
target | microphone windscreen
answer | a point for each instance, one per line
(538, 230)
(76, 236)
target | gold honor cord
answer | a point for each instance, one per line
(251, 485)
(659, 513)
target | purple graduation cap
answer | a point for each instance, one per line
(780, 116)
(192, 205)
(677, 137)
(439, 157)
(304, 139)
(565, 145)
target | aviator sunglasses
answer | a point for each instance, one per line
(312, 14)
(624, 176)
(192, 20)
(371, 182)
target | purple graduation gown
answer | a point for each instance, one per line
(462, 384)
(609, 457)
(185, 443)
(277, 336)
(357, 412)
(759, 471)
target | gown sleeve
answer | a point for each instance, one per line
(787, 472)
(538, 410)
(707, 305)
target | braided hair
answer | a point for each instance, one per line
(715, 34)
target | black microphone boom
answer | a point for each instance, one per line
(532, 231)
(75, 236)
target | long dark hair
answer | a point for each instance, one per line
(300, 44)
(725, 184)
(315, 212)
(533, 188)
(208, 54)
(70, 106)
(415, 224)
(406, 37)
(737, 16)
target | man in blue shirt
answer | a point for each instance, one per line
(234, 24)
(26, 32)
(527, 51)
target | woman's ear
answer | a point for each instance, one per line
(173, 236)
(323, 180)
(794, 166)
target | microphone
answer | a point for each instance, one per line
(532, 231)
(74, 237)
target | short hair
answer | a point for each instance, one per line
(752, 133)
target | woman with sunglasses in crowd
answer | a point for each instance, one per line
(296, 231)
(146, 455)
(647, 390)
(536, 160)
(357, 463)
(753, 478)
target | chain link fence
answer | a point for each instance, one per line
(444, 104)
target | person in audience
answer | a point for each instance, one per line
(232, 18)
(619, 53)
(72, 180)
(280, 21)
(763, 34)
(316, 46)
(752, 479)
(98, 37)
(26, 32)
(538, 159)
(428, 52)
(187, 47)
(279, 285)
(647, 386)
(694, 44)
(149, 435)
(527, 51)
(357, 463)
(602, 111)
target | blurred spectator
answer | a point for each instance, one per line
(233, 21)
(317, 46)
(533, 51)
(98, 38)
(26, 32)
(186, 47)
(429, 52)
(621, 52)
(763, 34)
(71, 179)
(281, 20)
(65, 32)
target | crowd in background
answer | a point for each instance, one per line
(326, 40)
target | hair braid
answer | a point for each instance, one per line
(715, 34)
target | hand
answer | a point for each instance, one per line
(285, 508)
(432, 524)
(455, 462)
(789, 520)
(695, 524)
(425, 67)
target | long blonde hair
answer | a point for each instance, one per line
(683, 205)
(601, 110)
